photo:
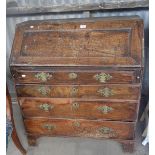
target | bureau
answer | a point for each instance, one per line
(79, 77)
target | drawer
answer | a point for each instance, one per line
(71, 108)
(77, 77)
(79, 127)
(117, 91)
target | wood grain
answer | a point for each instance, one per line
(71, 108)
(85, 128)
(78, 43)
(103, 42)
(82, 76)
(129, 92)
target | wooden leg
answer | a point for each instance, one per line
(17, 142)
(128, 146)
(32, 140)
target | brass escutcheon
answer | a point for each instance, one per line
(75, 106)
(74, 91)
(105, 109)
(72, 76)
(106, 92)
(76, 124)
(46, 107)
(102, 77)
(43, 76)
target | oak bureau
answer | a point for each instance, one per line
(79, 77)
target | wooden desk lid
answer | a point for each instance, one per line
(79, 42)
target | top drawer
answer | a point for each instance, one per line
(79, 42)
(77, 76)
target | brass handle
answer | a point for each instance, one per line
(106, 92)
(43, 76)
(44, 90)
(72, 76)
(75, 106)
(74, 91)
(46, 107)
(76, 124)
(102, 77)
(49, 127)
(107, 132)
(105, 109)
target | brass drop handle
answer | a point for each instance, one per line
(103, 77)
(105, 130)
(72, 76)
(46, 107)
(105, 109)
(106, 92)
(43, 90)
(49, 127)
(43, 76)
(75, 106)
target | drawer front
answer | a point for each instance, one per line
(77, 77)
(128, 92)
(69, 108)
(84, 128)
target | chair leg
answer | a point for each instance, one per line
(17, 142)
(14, 133)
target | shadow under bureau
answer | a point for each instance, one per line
(79, 77)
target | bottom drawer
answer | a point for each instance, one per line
(80, 127)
